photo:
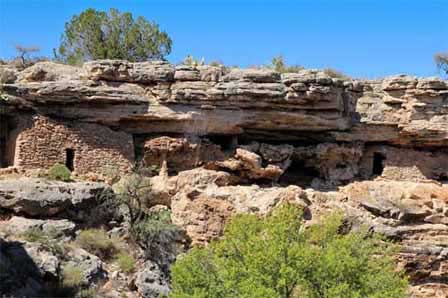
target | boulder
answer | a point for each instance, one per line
(92, 268)
(249, 165)
(20, 275)
(38, 197)
(187, 73)
(180, 153)
(8, 75)
(401, 82)
(262, 75)
(20, 225)
(151, 282)
(45, 260)
(50, 71)
(124, 71)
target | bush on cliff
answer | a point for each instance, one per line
(97, 242)
(276, 257)
(279, 65)
(111, 35)
(59, 172)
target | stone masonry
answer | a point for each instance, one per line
(95, 147)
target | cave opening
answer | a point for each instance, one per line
(442, 177)
(298, 173)
(226, 142)
(378, 164)
(70, 158)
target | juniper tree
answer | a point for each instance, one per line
(111, 35)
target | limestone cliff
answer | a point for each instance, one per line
(244, 140)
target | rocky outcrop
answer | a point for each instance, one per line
(151, 282)
(20, 225)
(158, 111)
(38, 197)
(91, 267)
(208, 100)
(30, 269)
(180, 153)
(203, 204)
(413, 214)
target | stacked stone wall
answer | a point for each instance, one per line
(96, 147)
(407, 164)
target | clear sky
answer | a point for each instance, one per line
(363, 38)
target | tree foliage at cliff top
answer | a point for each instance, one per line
(276, 257)
(114, 35)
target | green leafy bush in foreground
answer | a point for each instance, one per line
(276, 257)
(59, 172)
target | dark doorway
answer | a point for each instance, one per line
(378, 164)
(3, 161)
(442, 177)
(69, 158)
(227, 142)
(298, 173)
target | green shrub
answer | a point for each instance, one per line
(279, 65)
(336, 74)
(48, 239)
(59, 172)
(276, 257)
(87, 293)
(72, 276)
(126, 262)
(97, 242)
(34, 235)
(194, 62)
(155, 223)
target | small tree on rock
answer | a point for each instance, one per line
(279, 65)
(24, 52)
(111, 35)
(134, 191)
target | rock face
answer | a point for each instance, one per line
(29, 267)
(20, 225)
(231, 141)
(38, 197)
(150, 282)
(180, 153)
(414, 214)
(127, 103)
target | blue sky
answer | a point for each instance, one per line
(363, 38)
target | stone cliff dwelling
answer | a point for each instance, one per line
(301, 128)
